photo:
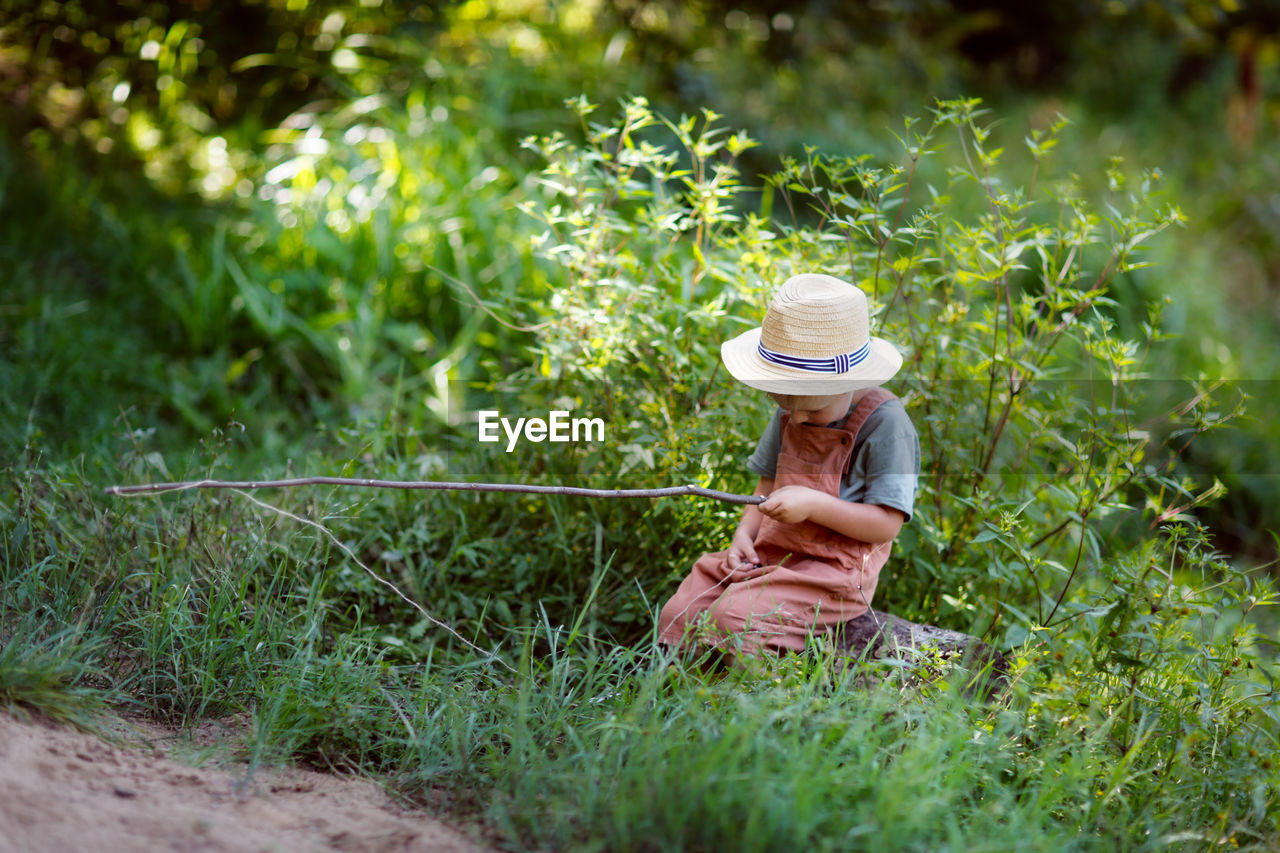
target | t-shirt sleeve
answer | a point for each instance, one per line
(764, 461)
(889, 460)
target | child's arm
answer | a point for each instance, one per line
(868, 522)
(742, 551)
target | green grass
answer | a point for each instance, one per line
(199, 607)
(53, 672)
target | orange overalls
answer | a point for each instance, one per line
(811, 578)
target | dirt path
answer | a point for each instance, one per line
(61, 790)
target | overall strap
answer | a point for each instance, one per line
(856, 419)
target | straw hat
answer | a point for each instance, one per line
(815, 339)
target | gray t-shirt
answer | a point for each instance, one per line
(886, 458)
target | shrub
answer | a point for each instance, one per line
(994, 278)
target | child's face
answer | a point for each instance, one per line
(814, 409)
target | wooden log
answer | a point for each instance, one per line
(876, 635)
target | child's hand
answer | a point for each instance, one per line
(741, 554)
(791, 504)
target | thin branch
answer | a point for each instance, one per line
(670, 491)
(480, 304)
(492, 656)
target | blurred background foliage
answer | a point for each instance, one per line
(286, 229)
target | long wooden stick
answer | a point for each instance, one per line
(671, 491)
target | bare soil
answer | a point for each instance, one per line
(63, 790)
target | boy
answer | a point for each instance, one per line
(838, 464)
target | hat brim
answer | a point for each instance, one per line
(742, 359)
